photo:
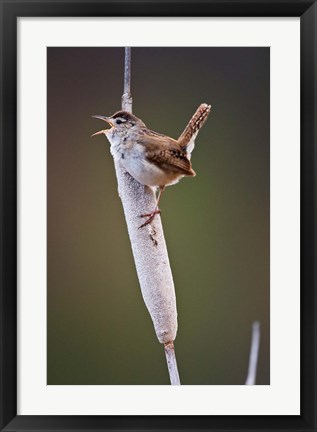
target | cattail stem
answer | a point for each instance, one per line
(171, 363)
(126, 97)
(254, 354)
(149, 247)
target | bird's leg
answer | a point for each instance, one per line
(155, 211)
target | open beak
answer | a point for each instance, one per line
(99, 132)
(104, 118)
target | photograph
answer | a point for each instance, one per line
(158, 208)
(158, 215)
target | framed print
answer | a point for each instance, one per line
(117, 122)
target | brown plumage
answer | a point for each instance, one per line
(187, 138)
(165, 152)
(153, 159)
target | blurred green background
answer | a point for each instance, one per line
(216, 224)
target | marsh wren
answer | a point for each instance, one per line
(151, 158)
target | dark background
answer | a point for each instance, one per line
(216, 224)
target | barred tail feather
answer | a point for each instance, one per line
(187, 138)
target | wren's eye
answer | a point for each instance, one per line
(119, 121)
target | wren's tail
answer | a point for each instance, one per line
(187, 138)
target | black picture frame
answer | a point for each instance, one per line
(10, 11)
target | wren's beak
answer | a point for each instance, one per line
(104, 118)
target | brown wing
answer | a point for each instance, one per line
(166, 153)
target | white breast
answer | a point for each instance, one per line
(144, 172)
(114, 140)
(134, 161)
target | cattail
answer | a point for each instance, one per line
(150, 255)
(149, 249)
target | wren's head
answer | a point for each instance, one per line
(125, 119)
(121, 122)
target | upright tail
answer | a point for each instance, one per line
(187, 138)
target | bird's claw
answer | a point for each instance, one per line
(150, 216)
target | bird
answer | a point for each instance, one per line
(151, 158)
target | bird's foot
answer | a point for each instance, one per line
(150, 217)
